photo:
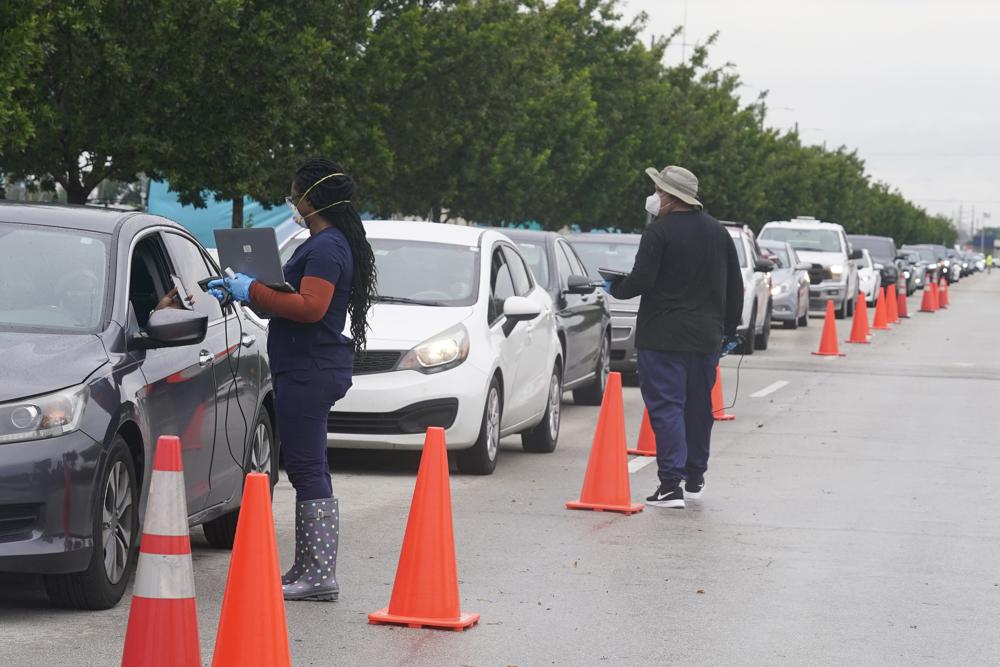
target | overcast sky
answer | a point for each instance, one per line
(914, 85)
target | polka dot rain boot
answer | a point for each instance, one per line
(295, 571)
(319, 536)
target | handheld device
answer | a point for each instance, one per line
(729, 343)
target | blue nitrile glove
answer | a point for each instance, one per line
(238, 285)
(729, 343)
(220, 292)
(608, 285)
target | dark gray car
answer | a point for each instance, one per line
(614, 251)
(94, 369)
(583, 320)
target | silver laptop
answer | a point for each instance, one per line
(253, 252)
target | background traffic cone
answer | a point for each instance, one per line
(252, 629)
(901, 305)
(935, 300)
(606, 482)
(828, 341)
(718, 406)
(892, 305)
(859, 326)
(943, 295)
(425, 592)
(881, 320)
(163, 621)
(927, 302)
(647, 439)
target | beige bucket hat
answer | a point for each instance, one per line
(677, 181)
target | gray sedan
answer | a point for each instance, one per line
(789, 284)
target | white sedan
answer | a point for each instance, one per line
(869, 277)
(461, 337)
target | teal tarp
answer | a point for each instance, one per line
(201, 221)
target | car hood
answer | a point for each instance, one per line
(400, 326)
(779, 276)
(821, 258)
(33, 364)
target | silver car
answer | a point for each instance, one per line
(614, 251)
(790, 284)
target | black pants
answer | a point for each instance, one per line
(677, 390)
(303, 399)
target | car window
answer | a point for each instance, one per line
(805, 238)
(536, 257)
(880, 248)
(613, 254)
(52, 278)
(149, 277)
(190, 265)
(501, 285)
(782, 256)
(518, 271)
(402, 265)
(562, 261)
(741, 251)
(579, 268)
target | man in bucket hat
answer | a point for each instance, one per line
(688, 275)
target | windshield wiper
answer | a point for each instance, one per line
(406, 300)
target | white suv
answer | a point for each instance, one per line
(833, 274)
(755, 323)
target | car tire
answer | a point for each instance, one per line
(792, 324)
(804, 320)
(747, 347)
(543, 438)
(263, 456)
(762, 339)
(96, 587)
(481, 458)
(593, 393)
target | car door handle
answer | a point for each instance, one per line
(205, 358)
(247, 340)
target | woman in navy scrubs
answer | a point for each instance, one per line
(333, 274)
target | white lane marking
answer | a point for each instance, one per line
(640, 462)
(770, 389)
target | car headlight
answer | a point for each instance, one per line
(778, 290)
(439, 353)
(946, 264)
(906, 274)
(43, 416)
(836, 270)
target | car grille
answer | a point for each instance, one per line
(818, 273)
(415, 418)
(376, 361)
(16, 521)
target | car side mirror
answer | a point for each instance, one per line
(172, 327)
(855, 254)
(518, 309)
(763, 266)
(580, 285)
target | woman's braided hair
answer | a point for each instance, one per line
(344, 217)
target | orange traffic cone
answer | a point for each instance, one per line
(881, 320)
(718, 407)
(859, 327)
(647, 439)
(935, 296)
(828, 342)
(892, 305)
(252, 629)
(606, 483)
(163, 622)
(425, 592)
(901, 306)
(943, 294)
(927, 302)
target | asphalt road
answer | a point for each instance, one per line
(850, 517)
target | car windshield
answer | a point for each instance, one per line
(420, 272)
(52, 279)
(881, 249)
(803, 238)
(534, 255)
(926, 254)
(781, 254)
(613, 255)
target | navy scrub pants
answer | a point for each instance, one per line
(677, 390)
(303, 399)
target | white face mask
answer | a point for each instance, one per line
(297, 217)
(653, 204)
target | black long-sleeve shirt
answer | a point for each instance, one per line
(688, 275)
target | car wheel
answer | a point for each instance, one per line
(748, 338)
(761, 340)
(593, 393)
(804, 320)
(116, 540)
(543, 438)
(262, 457)
(481, 458)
